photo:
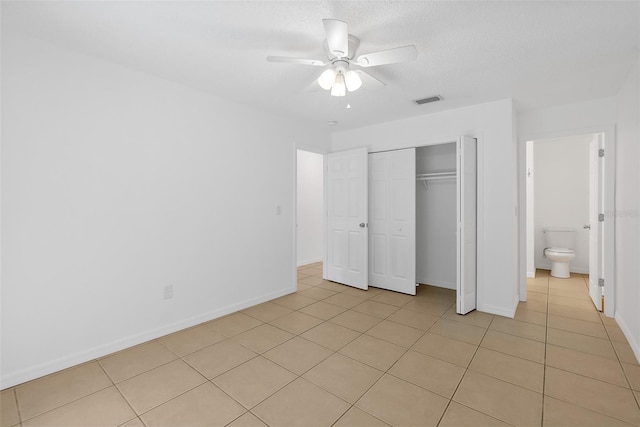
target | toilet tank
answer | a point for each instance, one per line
(559, 237)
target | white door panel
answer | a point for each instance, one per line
(466, 259)
(347, 205)
(392, 227)
(595, 203)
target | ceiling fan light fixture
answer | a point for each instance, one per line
(327, 78)
(339, 88)
(352, 80)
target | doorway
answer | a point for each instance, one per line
(565, 195)
(309, 208)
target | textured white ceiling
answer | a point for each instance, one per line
(540, 53)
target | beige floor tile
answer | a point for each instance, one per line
(586, 364)
(514, 345)
(427, 306)
(52, 391)
(393, 298)
(475, 318)
(8, 408)
(267, 311)
(311, 280)
(189, 340)
(219, 358)
(569, 292)
(615, 333)
(590, 315)
(539, 288)
(504, 401)
(415, 319)
(514, 370)
(332, 286)
(364, 294)
(262, 338)
(316, 293)
(296, 322)
(344, 377)
(529, 316)
(233, 324)
(520, 329)
(103, 408)
(458, 415)
(302, 287)
(322, 310)
(343, 300)
(136, 360)
(400, 403)
(204, 405)
(298, 355)
(301, 403)
(446, 349)
(395, 333)
(533, 305)
(578, 326)
(605, 398)
(155, 387)
(373, 351)
(355, 320)
(358, 418)
(330, 335)
(375, 308)
(633, 374)
(579, 342)
(572, 302)
(294, 301)
(625, 352)
(135, 422)
(562, 414)
(428, 372)
(247, 420)
(254, 381)
(536, 296)
(458, 331)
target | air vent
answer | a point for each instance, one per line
(428, 100)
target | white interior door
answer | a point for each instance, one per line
(466, 190)
(347, 217)
(595, 231)
(392, 215)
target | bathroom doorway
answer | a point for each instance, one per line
(566, 192)
(309, 208)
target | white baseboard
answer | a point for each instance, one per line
(635, 346)
(309, 261)
(501, 311)
(15, 378)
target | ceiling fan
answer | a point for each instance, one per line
(344, 73)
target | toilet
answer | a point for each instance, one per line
(559, 244)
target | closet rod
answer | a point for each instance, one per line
(435, 175)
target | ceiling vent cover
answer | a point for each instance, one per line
(428, 100)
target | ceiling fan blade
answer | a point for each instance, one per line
(286, 59)
(368, 81)
(337, 33)
(390, 56)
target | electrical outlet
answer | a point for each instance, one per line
(168, 292)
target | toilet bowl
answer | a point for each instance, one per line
(560, 259)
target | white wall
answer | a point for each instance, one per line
(627, 210)
(116, 184)
(561, 176)
(310, 196)
(492, 123)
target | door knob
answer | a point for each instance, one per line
(586, 226)
(362, 225)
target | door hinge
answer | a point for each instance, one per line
(601, 283)
(601, 152)
(601, 217)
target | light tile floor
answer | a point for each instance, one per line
(334, 355)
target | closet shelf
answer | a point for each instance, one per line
(435, 175)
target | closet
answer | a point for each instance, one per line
(401, 217)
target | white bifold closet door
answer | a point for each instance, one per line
(347, 217)
(467, 229)
(392, 216)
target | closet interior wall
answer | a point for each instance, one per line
(436, 206)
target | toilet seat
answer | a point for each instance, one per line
(560, 250)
